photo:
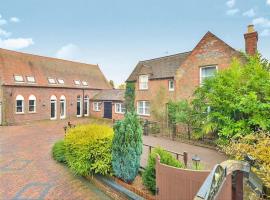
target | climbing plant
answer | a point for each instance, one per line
(130, 96)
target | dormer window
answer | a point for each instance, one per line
(51, 81)
(30, 79)
(18, 78)
(61, 81)
(77, 82)
(171, 85)
(84, 83)
(143, 82)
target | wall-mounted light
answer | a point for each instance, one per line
(196, 161)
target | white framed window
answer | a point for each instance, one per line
(143, 108)
(207, 72)
(119, 108)
(143, 82)
(30, 79)
(60, 81)
(79, 106)
(63, 107)
(32, 104)
(86, 105)
(51, 81)
(84, 83)
(171, 85)
(19, 104)
(18, 78)
(77, 82)
(97, 106)
(53, 107)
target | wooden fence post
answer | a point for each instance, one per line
(185, 158)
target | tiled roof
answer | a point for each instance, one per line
(163, 67)
(16, 63)
(110, 95)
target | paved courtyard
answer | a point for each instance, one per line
(27, 170)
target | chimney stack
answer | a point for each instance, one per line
(251, 40)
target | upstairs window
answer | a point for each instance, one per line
(32, 104)
(51, 81)
(19, 104)
(97, 106)
(61, 81)
(207, 72)
(30, 79)
(120, 108)
(18, 78)
(77, 82)
(143, 108)
(143, 82)
(171, 85)
(84, 83)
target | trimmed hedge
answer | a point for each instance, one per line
(58, 151)
(149, 175)
(88, 149)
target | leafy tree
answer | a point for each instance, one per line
(130, 96)
(238, 98)
(111, 83)
(122, 86)
(127, 147)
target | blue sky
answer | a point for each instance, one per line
(117, 34)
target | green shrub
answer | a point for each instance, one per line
(88, 149)
(127, 147)
(149, 175)
(58, 151)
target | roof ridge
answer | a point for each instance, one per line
(46, 57)
(186, 52)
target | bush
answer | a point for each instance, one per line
(127, 147)
(88, 149)
(149, 175)
(58, 151)
(256, 145)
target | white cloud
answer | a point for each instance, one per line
(232, 11)
(69, 52)
(14, 19)
(264, 22)
(4, 33)
(265, 33)
(268, 2)
(230, 3)
(3, 21)
(16, 43)
(249, 13)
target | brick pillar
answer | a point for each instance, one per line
(251, 40)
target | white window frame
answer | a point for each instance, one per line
(119, 108)
(53, 100)
(51, 81)
(204, 67)
(97, 106)
(171, 88)
(77, 82)
(32, 98)
(84, 83)
(63, 100)
(30, 79)
(61, 81)
(143, 107)
(79, 100)
(17, 77)
(19, 98)
(86, 100)
(143, 85)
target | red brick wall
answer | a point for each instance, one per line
(209, 51)
(43, 96)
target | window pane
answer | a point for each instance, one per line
(31, 79)
(32, 105)
(78, 108)
(18, 78)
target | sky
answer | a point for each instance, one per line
(117, 34)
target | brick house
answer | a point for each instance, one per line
(182, 73)
(36, 88)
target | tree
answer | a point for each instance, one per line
(111, 83)
(127, 147)
(238, 98)
(130, 96)
(122, 86)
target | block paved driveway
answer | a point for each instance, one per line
(27, 170)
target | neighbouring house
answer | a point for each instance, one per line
(180, 74)
(108, 104)
(36, 88)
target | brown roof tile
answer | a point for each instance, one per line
(110, 95)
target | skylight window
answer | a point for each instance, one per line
(30, 79)
(18, 78)
(61, 81)
(51, 81)
(84, 83)
(77, 82)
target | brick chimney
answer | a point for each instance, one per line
(251, 39)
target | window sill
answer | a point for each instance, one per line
(145, 115)
(32, 112)
(19, 113)
(96, 110)
(171, 90)
(121, 113)
(53, 118)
